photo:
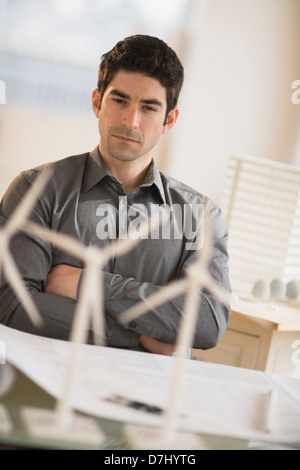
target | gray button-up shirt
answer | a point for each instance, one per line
(85, 201)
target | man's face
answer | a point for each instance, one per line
(132, 115)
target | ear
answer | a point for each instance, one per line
(96, 102)
(171, 120)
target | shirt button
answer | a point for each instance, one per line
(124, 201)
(133, 324)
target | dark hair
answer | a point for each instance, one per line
(147, 55)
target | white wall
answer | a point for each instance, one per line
(49, 54)
(240, 58)
(243, 56)
(29, 138)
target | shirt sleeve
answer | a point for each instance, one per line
(33, 258)
(163, 322)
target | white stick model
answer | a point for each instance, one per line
(197, 278)
(12, 226)
(89, 307)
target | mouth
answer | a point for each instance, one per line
(122, 138)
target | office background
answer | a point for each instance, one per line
(240, 56)
(241, 59)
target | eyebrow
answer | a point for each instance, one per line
(123, 95)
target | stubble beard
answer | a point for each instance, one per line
(121, 151)
(124, 151)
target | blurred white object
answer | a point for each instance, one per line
(278, 289)
(293, 290)
(261, 290)
(7, 378)
(11, 227)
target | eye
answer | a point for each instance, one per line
(149, 108)
(119, 100)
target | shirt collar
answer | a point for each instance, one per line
(153, 177)
(96, 171)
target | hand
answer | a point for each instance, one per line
(63, 280)
(157, 347)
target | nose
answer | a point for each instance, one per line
(131, 117)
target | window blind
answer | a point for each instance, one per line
(261, 206)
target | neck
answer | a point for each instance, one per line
(130, 173)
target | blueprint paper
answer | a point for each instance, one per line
(216, 399)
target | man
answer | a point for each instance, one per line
(135, 103)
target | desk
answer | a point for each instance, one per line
(260, 335)
(27, 393)
(217, 400)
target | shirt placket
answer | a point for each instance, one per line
(123, 217)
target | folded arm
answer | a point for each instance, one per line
(34, 260)
(63, 280)
(57, 305)
(163, 322)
